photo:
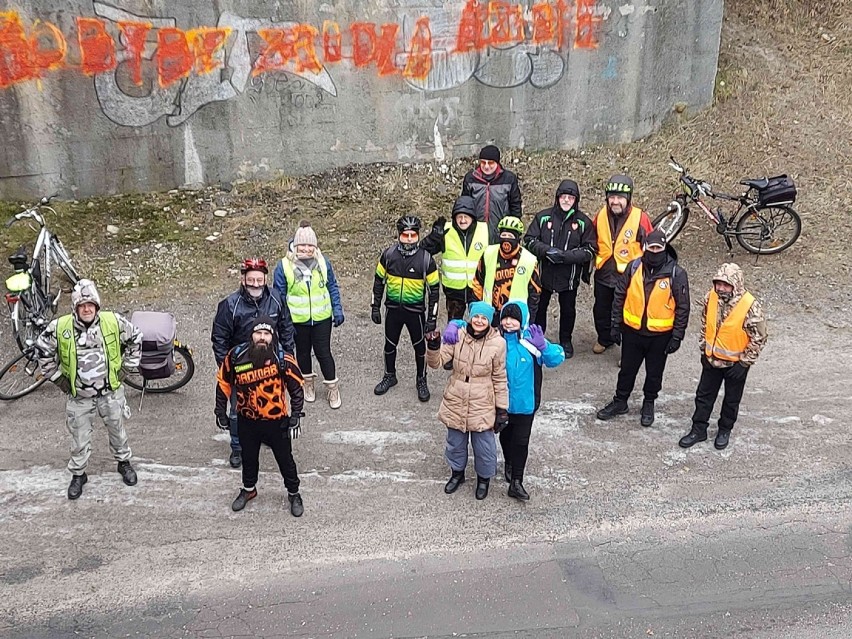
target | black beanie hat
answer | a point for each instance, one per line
(658, 237)
(264, 322)
(490, 152)
(513, 311)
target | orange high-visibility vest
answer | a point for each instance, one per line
(660, 307)
(626, 247)
(729, 340)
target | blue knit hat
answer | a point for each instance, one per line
(481, 308)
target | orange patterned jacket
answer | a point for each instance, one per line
(260, 391)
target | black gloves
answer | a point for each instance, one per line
(438, 226)
(337, 320)
(431, 324)
(223, 422)
(376, 315)
(737, 372)
(501, 421)
(672, 346)
(433, 340)
(615, 335)
(293, 426)
(555, 256)
(705, 363)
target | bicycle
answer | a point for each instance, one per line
(758, 224)
(31, 299)
(166, 365)
(21, 376)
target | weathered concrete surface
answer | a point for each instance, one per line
(625, 534)
(571, 73)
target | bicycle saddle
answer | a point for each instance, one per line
(756, 183)
(19, 260)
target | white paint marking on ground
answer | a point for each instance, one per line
(379, 440)
(365, 475)
(822, 420)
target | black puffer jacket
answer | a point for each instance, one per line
(573, 237)
(234, 317)
(495, 196)
(679, 291)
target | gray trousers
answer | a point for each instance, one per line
(79, 419)
(484, 451)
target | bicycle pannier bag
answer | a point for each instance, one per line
(780, 190)
(158, 337)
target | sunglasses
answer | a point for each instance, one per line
(409, 235)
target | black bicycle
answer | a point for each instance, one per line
(764, 222)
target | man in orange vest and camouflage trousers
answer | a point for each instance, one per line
(733, 333)
(621, 229)
(649, 317)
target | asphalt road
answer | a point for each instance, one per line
(626, 534)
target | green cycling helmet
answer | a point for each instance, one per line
(511, 223)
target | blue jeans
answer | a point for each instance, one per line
(232, 417)
(484, 451)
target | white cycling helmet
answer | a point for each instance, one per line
(85, 291)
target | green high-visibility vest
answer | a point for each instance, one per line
(458, 267)
(519, 289)
(308, 302)
(111, 335)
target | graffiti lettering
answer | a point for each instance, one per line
(146, 67)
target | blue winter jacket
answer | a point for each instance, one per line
(523, 366)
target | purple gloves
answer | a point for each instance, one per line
(536, 337)
(451, 333)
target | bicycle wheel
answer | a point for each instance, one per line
(21, 376)
(184, 370)
(672, 222)
(769, 230)
(30, 314)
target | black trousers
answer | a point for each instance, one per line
(706, 394)
(316, 337)
(567, 312)
(252, 435)
(635, 349)
(395, 320)
(515, 442)
(602, 312)
(455, 308)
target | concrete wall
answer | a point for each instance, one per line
(97, 98)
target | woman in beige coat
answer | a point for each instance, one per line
(476, 398)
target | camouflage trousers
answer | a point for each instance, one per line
(79, 419)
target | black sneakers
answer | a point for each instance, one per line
(692, 438)
(615, 407)
(75, 489)
(646, 415)
(388, 382)
(243, 498)
(296, 505)
(422, 389)
(127, 473)
(236, 458)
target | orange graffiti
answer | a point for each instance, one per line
(174, 59)
(420, 57)
(15, 59)
(332, 41)
(505, 22)
(544, 24)
(363, 42)
(47, 46)
(97, 49)
(471, 26)
(135, 34)
(587, 19)
(206, 43)
(285, 46)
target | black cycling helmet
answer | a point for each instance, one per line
(408, 223)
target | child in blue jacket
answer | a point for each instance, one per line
(526, 352)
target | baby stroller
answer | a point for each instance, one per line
(166, 363)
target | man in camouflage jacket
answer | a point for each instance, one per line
(733, 333)
(85, 354)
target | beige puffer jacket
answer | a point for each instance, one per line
(477, 386)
